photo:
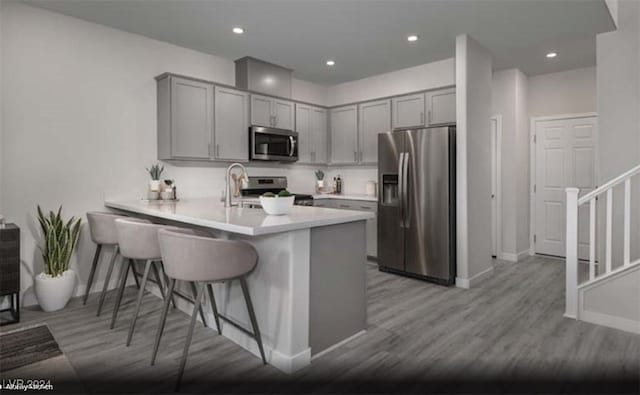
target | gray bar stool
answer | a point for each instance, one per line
(138, 240)
(102, 228)
(206, 260)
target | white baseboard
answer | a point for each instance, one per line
(467, 283)
(339, 344)
(512, 257)
(624, 324)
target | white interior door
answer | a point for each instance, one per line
(565, 157)
(494, 187)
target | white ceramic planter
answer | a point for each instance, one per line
(154, 185)
(53, 293)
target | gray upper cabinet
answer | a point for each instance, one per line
(408, 111)
(284, 114)
(344, 135)
(441, 107)
(185, 118)
(271, 112)
(261, 111)
(375, 117)
(231, 131)
(303, 127)
(311, 125)
(319, 135)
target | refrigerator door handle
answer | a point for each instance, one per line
(401, 187)
(405, 196)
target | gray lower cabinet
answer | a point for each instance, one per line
(441, 107)
(408, 111)
(231, 131)
(375, 117)
(357, 205)
(344, 135)
(272, 112)
(311, 125)
(185, 119)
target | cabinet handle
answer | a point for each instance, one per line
(429, 117)
(360, 156)
(275, 120)
(209, 149)
(355, 156)
(217, 150)
(422, 117)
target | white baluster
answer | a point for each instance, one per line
(592, 239)
(609, 222)
(571, 278)
(627, 222)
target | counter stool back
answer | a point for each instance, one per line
(206, 260)
(102, 229)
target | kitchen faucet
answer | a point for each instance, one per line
(227, 191)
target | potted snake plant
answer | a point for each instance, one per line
(155, 172)
(54, 286)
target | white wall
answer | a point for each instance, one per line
(309, 92)
(427, 76)
(79, 121)
(509, 94)
(566, 92)
(618, 79)
(473, 104)
(523, 141)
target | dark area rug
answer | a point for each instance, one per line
(26, 346)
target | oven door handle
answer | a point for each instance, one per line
(293, 145)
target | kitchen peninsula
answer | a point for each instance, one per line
(311, 261)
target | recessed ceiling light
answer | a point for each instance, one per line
(412, 38)
(551, 55)
(331, 62)
(238, 30)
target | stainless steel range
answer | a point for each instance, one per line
(256, 186)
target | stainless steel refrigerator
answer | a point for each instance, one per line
(417, 203)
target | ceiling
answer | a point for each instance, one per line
(364, 37)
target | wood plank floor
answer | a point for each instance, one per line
(506, 335)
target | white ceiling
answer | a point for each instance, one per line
(364, 37)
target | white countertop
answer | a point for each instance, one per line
(210, 213)
(345, 197)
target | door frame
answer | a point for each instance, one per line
(532, 165)
(498, 175)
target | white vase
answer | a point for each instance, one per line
(53, 293)
(154, 185)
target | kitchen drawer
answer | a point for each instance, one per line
(358, 205)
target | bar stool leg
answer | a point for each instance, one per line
(123, 281)
(252, 316)
(107, 279)
(212, 299)
(166, 281)
(163, 319)
(187, 343)
(195, 293)
(92, 273)
(143, 284)
(135, 273)
(161, 285)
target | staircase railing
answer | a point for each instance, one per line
(573, 203)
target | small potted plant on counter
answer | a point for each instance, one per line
(54, 286)
(319, 181)
(154, 184)
(279, 204)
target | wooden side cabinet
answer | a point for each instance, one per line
(10, 272)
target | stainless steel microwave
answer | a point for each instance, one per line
(273, 144)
